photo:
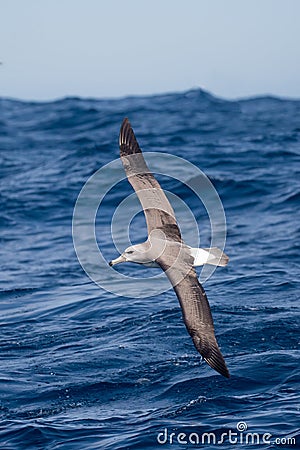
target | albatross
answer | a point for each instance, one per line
(166, 249)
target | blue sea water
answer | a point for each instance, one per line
(82, 368)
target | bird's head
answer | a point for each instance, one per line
(134, 253)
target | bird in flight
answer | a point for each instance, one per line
(166, 249)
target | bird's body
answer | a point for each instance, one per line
(165, 249)
(139, 254)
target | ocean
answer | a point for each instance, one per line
(83, 367)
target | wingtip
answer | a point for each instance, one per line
(127, 140)
(208, 348)
(218, 364)
(125, 122)
(124, 130)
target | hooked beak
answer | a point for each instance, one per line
(117, 260)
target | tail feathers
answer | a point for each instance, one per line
(213, 256)
(217, 257)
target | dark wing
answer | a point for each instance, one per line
(157, 209)
(195, 308)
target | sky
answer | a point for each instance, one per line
(114, 48)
